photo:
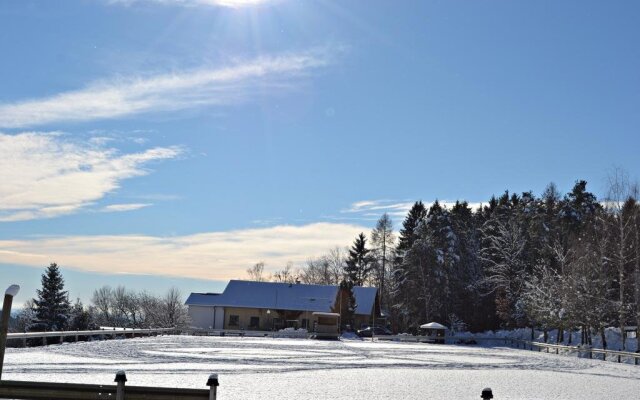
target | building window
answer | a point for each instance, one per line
(305, 323)
(254, 322)
(234, 320)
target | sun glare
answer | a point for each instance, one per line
(236, 3)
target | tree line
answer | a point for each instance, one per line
(519, 260)
(51, 309)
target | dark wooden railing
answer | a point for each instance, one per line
(75, 391)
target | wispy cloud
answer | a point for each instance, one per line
(47, 175)
(397, 210)
(175, 91)
(368, 209)
(211, 255)
(125, 207)
(221, 3)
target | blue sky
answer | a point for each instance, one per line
(187, 140)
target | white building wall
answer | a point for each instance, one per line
(206, 317)
(219, 318)
(201, 317)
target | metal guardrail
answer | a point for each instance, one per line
(228, 332)
(77, 334)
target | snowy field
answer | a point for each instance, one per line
(256, 368)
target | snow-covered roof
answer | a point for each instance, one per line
(282, 296)
(201, 299)
(273, 295)
(365, 298)
(433, 325)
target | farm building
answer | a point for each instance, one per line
(253, 305)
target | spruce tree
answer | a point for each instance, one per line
(408, 235)
(52, 304)
(360, 262)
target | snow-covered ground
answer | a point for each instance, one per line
(264, 368)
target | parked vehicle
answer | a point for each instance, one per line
(376, 330)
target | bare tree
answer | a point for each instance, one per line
(102, 299)
(316, 272)
(175, 312)
(324, 270)
(151, 310)
(256, 273)
(382, 240)
(620, 207)
(26, 317)
(285, 275)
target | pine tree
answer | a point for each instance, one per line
(402, 292)
(347, 303)
(408, 234)
(360, 262)
(52, 304)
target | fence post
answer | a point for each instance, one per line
(213, 386)
(6, 313)
(121, 378)
(486, 394)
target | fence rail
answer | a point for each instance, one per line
(75, 391)
(77, 334)
(589, 352)
(619, 356)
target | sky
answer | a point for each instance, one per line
(159, 143)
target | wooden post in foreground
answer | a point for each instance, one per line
(213, 386)
(6, 312)
(121, 378)
(486, 394)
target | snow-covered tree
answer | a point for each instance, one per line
(52, 303)
(506, 268)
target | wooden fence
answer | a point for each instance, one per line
(588, 352)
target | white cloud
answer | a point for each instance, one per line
(222, 3)
(46, 175)
(181, 90)
(211, 255)
(125, 207)
(397, 210)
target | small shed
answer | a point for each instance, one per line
(434, 332)
(326, 325)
